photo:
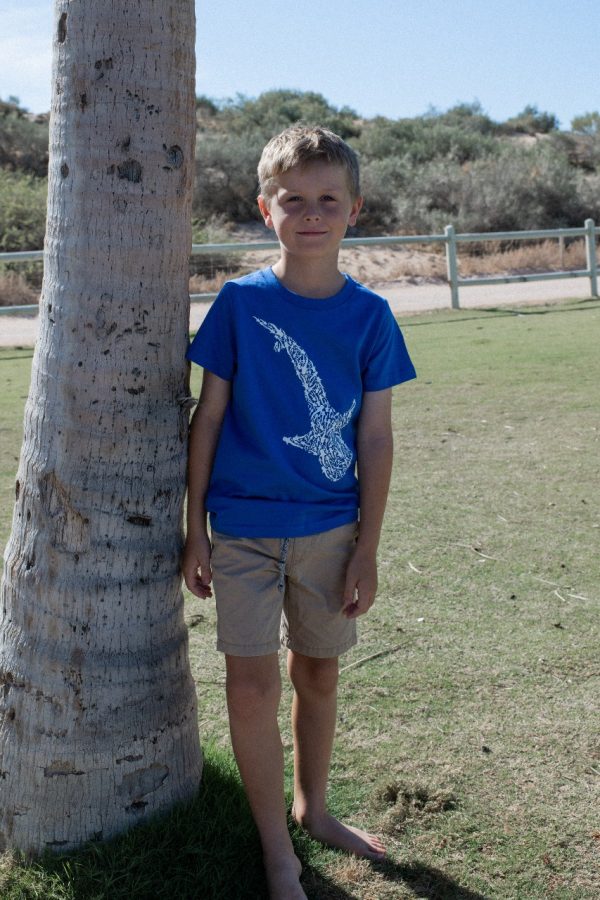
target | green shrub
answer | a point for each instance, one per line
(431, 197)
(226, 183)
(423, 139)
(273, 111)
(515, 190)
(22, 211)
(521, 189)
(588, 123)
(589, 193)
(382, 138)
(23, 140)
(383, 181)
(467, 116)
(532, 121)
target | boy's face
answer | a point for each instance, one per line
(310, 209)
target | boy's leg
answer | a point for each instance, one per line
(313, 721)
(253, 692)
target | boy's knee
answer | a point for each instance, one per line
(312, 675)
(249, 690)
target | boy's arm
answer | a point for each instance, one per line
(204, 435)
(374, 447)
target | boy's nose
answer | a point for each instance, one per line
(312, 212)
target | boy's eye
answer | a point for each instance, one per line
(328, 197)
(294, 198)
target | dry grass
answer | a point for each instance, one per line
(15, 291)
(523, 258)
(201, 284)
(377, 265)
(370, 265)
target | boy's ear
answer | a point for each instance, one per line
(264, 211)
(354, 211)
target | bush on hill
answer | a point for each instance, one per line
(22, 211)
(275, 110)
(421, 140)
(515, 189)
(22, 227)
(23, 140)
(226, 184)
(418, 174)
(532, 121)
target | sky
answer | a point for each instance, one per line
(395, 58)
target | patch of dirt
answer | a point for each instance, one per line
(402, 803)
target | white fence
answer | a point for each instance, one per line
(451, 240)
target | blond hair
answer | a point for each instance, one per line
(303, 144)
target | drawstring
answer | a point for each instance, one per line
(285, 543)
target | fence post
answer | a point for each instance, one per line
(561, 252)
(452, 265)
(590, 250)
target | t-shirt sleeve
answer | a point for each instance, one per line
(213, 347)
(388, 362)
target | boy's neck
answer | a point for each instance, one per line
(317, 278)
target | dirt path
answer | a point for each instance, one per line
(403, 297)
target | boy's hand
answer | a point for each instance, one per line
(361, 584)
(195, 565)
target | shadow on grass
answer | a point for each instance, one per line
(421, 880)
(425, 881)
(205, 850)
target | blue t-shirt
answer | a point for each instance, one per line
(298, 367)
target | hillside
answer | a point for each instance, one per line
(418, 174)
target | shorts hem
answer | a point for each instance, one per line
(320, 652)
(248, 649)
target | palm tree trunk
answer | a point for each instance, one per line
(98, 722)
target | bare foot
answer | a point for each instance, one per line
(329, 830)
(283, 878)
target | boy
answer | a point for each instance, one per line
(299, 361)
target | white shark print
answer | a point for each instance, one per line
(324, 439)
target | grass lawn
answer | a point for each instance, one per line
(468, 716)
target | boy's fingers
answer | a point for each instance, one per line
(359, 602)
(204, 576)
(198, 579)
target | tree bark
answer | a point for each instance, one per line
(98, 721)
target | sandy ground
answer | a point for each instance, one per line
(394, 272)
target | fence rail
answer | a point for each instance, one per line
(450, 239)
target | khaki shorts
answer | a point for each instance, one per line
(274, 592)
